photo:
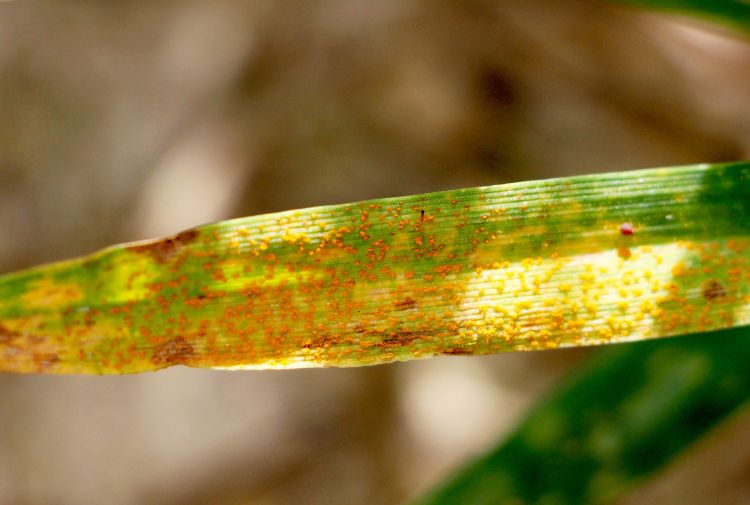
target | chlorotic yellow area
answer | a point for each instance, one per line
(46, 293)
(612, 295)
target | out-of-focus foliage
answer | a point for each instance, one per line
(733, 13)
(624, 415)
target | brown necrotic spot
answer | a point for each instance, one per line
(319, 343)
(163, 250)
(45, 361)
(12, 345)
(174, 352)
(713, 290)
(457, 351)
(399, 339)
(406, 303)
(7, 336)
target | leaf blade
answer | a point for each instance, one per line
(523, 266)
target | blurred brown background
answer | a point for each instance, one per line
(132, 119)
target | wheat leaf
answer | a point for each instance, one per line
(534, 265)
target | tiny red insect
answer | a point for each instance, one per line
(626, 228)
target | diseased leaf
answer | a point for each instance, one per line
(620, 418)
(535, 265)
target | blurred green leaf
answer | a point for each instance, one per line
(732, 13)
(624, 415)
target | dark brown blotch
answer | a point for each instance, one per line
(45, 361)
(320, 342)
(163, 250)
(174, 352)
(7, 336)
(399, 339)
(406, 303)
(457, 351)
(713, 291)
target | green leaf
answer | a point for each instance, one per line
(534, 265)
(624, 415)
(732, 13)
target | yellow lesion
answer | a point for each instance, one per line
(580, 299)
(45, 293)
(27, 325)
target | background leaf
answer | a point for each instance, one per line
(626, 413)
(732, 13)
